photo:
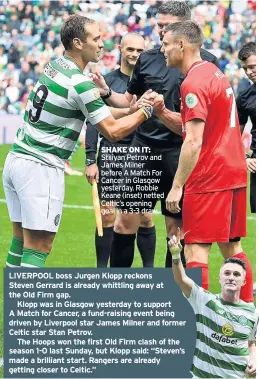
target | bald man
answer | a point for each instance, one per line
(108, 169)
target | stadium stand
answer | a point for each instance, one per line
(29, 37)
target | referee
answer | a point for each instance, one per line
(132, 45)
(151, 72)
(246, 106)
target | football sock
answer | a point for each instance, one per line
(146, 241)
(168, 259)
(204, 272)
(122, 250)
(103, 245)
(246, 293)
(15, 253)
(33, 258)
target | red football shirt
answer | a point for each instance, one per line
(206, 94)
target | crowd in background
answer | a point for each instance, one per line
(29, 37)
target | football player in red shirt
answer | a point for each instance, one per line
(212, 163)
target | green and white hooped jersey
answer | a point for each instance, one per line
(223, 332)
(57, 107)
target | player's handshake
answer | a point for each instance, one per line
(152, 98)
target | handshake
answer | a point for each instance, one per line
(150, 100)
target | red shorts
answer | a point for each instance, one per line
(214, 216)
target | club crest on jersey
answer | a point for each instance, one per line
(57, 220)
(191, 100)
(242, 320)
(228, 330)
(96, 93)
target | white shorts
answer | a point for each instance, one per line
(34, 193)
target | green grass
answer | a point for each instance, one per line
(74, 243)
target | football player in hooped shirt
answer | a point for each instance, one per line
(212, 165)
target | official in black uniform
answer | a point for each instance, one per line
(151, 72)
(109, 165)
(246, 106)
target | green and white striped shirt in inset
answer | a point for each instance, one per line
(57, 107)
(223, 332)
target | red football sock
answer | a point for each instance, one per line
(246, 293)
(204, 274)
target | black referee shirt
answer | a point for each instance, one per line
(151, 72)
(246, 107)
(118, 82)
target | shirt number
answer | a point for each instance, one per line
(229, 92)
(38, 103)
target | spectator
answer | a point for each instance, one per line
(121, 17)
(152, 10)
(13, 56)
(26, 73)
(29, 33)
(3, 57)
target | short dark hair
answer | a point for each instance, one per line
(176, 8)
(236, 261)
(74, 27)
(247, 50)
(189, 29)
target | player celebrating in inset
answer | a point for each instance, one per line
(212, 165)
(33, 175)
(246, 107)
(226, 325)
(132, 45)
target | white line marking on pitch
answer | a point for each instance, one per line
(1, 362)
(90, 207)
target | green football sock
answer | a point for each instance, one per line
(33, 258)
(15, 253)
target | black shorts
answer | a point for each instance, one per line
(253, 192)
(111, 160)
(148, 175)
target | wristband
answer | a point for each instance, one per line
(149, 110)
(145, 113)
(108, 94)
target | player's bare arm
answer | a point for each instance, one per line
(251, 367)
(180, 277)
(189, 156)
(133, 106)
(115, 130)
(115, 99)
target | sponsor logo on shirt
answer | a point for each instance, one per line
(191, 100)
(221, 338)
(228, 330)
